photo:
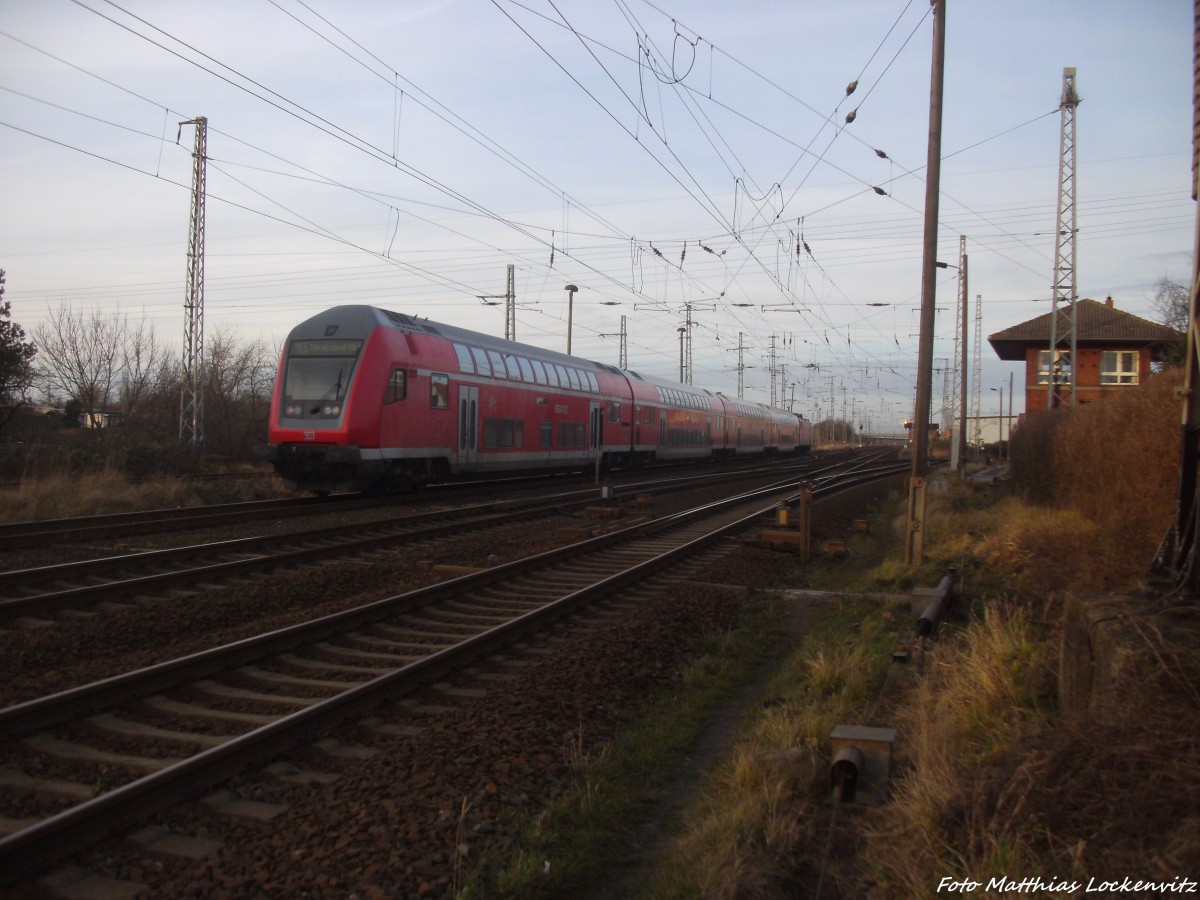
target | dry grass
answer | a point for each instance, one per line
(1046, 551)
(758, 829)
(996, 783)
(57, 496)
(108, 491)
(980, 695)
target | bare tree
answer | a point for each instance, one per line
(142, 359)
(238, 381)
(81, 356)
(1172, 304)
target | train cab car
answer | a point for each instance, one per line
(371, 399)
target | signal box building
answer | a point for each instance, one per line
(1115, 350)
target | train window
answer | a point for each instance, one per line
(648, 415)
(526, 369)
(465, 363)
(571, 434)
(539, 373)
(573, 375)
(563, 379)
(510, 366)
(503, 434)
(481, 361)
(614, 411)
(547, 434)
(551, 375)
(497, 363)
(514, 433)
(591, 377)
(439, 391)
(397, 387)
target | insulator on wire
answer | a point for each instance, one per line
(851, 116)
(850, 88)
(881, 154)
(880, 191)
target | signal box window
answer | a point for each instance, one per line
(1119, 367)
(1062, 367)
(397, 387)
(439, 391)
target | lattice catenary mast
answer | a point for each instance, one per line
(510, 305)
(1062, 355)
(191, 412)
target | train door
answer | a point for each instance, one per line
(468, 425)
(595, 429)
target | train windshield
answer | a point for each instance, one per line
(318, 371)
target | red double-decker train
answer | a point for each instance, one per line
(368, 399)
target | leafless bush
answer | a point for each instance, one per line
(1114, 461)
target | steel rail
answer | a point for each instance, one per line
(14, 535)
(334, 542)
(85, 823)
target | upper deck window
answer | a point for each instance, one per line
(465, 363)
(481, 361)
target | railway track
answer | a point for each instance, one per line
(182, 726)
(18, 535)
(44, 591)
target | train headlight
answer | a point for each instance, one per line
(335, 410)
(292, 411)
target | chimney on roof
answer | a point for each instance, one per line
(1108, 301)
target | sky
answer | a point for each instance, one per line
(665, 157)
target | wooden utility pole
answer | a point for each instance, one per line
(1179, 554)
(914, 545)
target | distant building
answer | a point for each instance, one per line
(1115, 350)
(102, 419)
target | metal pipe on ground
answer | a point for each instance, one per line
(942, 596)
